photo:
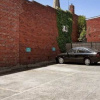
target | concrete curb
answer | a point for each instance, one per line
(18, 68)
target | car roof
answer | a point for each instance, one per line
(80, 48)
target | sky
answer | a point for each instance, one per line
(88, 8)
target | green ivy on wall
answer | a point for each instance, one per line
(82, 28)
(64, 18)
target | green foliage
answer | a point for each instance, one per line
(82, 35)
(82, 27)
(64, 19)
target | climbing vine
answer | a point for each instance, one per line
(64, 18)
(82, 28)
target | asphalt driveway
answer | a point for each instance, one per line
(54, 82)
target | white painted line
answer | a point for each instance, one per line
(9, 89)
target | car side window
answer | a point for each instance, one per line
(72, 51)
(80, 51)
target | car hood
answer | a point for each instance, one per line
(62, 54)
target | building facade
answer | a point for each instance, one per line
(93, 29)
(28, 32)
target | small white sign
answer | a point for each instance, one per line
(65, 29)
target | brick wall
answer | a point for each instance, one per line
(74, 34)
(9, 32)
(93, 30)
(24, 25)
(75, 28)
(38, 31)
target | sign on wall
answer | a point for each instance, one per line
(65, 28)
(53, 49)
(28, 49)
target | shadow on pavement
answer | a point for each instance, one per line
(30, 68)
(21, 69)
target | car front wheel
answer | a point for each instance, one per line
(60, 60)
(87, 61)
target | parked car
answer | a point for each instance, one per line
(79, 54)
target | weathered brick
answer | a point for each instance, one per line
(38, 30)
(9, 33)
(74, 35)
(93, 30)
(28, 24)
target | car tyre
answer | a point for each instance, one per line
(87, 61)
(95, 63)
(60, 60)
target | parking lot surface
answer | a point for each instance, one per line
(53, 82)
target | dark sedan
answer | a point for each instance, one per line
(79, 54)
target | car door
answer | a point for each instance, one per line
(80, 55)
(66, 57)
(71, 55)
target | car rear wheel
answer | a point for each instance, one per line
(87, 61)
(60, 60)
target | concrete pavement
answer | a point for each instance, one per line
(54, 82)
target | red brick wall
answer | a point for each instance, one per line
(9, 32)
(75, 28)
(28, 24)
(74, 34)
(38, 30)
(93, 30)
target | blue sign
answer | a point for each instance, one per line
(28, 49)
(53, 49)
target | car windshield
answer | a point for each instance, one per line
(92, 50)
(85, 50)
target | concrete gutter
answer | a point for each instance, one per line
(18, 68)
